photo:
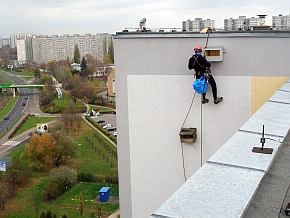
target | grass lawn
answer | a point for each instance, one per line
(66, 100)
(101, 108)
(27, 75)
(88, 161)
(32, 121)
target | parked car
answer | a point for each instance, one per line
(100, 121)
(112, 128)
(6, 118)
(115, 134)
(23, 104)
(25, 97)
(103, 124)
(107, 126)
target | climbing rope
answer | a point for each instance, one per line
(182, 152)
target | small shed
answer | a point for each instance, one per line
(104, 194)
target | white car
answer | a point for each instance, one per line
(115, 134)
(108, 125)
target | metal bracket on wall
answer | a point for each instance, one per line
(262, 149)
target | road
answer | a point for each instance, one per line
(18, 109)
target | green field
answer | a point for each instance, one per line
(95, 156)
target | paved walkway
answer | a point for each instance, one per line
(115, 214)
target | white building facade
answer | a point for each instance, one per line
(21, 50)
(56, 48)
(155, 100)
(241, 23)
(197, 25)
(281, 22)
(15, 36)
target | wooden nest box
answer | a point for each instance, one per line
(188, 135)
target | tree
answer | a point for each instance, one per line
(84, 68)
(36, 73)
(49, 150)
(64, 176)
(52, 67)
(63, 74)
(38, 152)
(43, 66)
(64, 147)
(71, 118)
(111, 51)
(107, 59)
(77, 56)
(81, 202)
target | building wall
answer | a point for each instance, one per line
(21, 52)
(154, 94)
(56, 48)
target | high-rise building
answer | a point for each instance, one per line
(56, 48)
(21, 51)
(197, 25)
(241, 23)
(281, 22)
(15, 36)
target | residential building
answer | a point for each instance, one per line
(241, 23)
(5, 41)
(197, 25)
(281, 22)
(21, 50)
(15, 36)
(56, 48)
(156, 101)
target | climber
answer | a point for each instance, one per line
(202, 68)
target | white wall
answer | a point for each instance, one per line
(154, 93)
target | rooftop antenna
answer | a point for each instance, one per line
(262, 149)
(142, 25)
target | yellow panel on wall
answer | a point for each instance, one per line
(263, 87)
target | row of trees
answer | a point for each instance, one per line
(108, 58)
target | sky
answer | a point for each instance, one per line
(55, 17)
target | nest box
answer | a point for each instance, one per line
(188, 135)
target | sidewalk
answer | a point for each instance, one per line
(114, 215)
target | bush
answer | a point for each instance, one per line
(113, 179)
(63, 178)
(86, 177)
(51, 191)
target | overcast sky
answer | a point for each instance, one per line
(58, 17)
